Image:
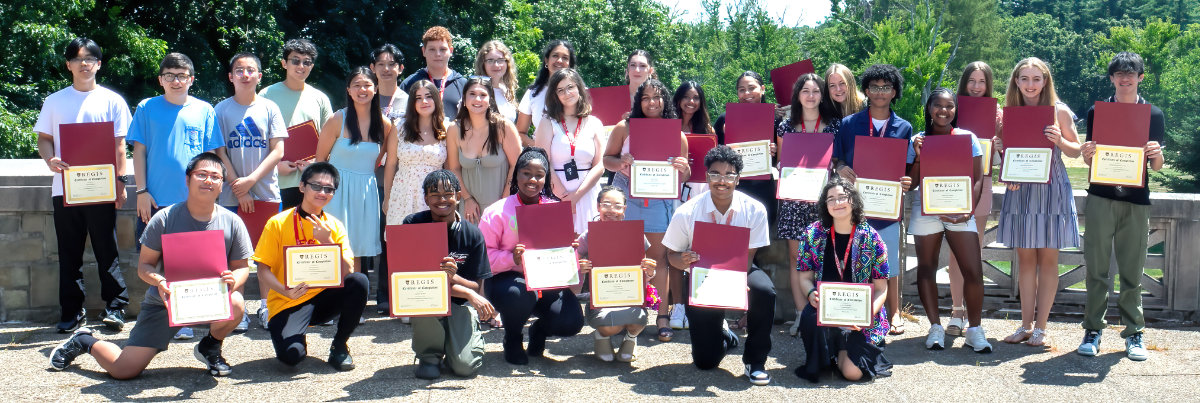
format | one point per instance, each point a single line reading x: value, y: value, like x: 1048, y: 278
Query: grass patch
x: 1006, y: 268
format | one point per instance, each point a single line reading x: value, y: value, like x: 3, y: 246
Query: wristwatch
x: 123, y: 178
x: 142, y: 190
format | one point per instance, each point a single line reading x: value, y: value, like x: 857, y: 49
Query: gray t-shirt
x: 248, y: 130
x: 176, y: 218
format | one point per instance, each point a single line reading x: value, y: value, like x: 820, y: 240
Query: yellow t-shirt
x: 281, y: 232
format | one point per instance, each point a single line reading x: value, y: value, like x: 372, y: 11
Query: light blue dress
x: 356, y: 202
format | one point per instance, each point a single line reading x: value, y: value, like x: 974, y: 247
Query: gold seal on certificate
x: 550, y: 268
x: 617, y: 286
x: 987, y: 146
x: 803, y: 184
x: 756, y: 157
x: 653, y: 179
x: 420, y: 293
x: 718, y: 288
x: 844, y: 304
x: 946, y: 195
x: 1030, y: 165
x: 198, y: 301
x: 1119, y: 166
x: 89, y: 184
x: 316, y: 265
x: 881, y: 199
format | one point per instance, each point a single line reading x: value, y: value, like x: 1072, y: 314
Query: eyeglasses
x: 170, y: 78
x: 1125, y: 74
x: 716, y: 177
x: 875, y: 89
x: 241, y: 71
x: 386, y: 65
x: 441, y: 196
x: 204, y: 176
x: 570, y: 88
x: 837, y: 199
x: 496, y: 62
x: 320, y: 188
x: 85, y: 60
x: 297, y: 62
x: 612, y: 206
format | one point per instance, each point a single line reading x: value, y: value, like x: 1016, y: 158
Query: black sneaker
x: 428, y: 370
x: 70, y: 324
x: 66, y: 352
x: 114, y: 319
x: 339, y: 358
x: 208, y: 351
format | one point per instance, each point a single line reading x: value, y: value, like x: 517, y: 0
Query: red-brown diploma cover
x: 880, y: 158
x: 610, y: 103
x: 720, y: 246
x: 616, y: 243
x: 654, y: 139
x: 544, y: 226
x: 699, y: 146
x: 1025, y: 126
x: 977, y: 114
x: 783, y: 78
x: 301, y: 142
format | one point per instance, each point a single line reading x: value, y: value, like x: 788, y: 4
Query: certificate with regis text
x: 194, y: 302
x: 616, y: 286
x: 89, y: 184
x: 844, y: 304
x: 420, y: 293
x: 317, y: 265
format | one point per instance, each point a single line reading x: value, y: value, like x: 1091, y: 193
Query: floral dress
x: 795, y: 215
x: 416, y: 161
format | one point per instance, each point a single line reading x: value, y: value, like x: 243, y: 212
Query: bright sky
x: 792, y: 12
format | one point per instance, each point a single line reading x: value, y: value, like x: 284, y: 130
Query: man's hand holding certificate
x: 88, y: 151
x: 546, y: 233
x: 198, y: 278
x: 719, y: 277
x: 417, y: 269
x: 1118, y: 144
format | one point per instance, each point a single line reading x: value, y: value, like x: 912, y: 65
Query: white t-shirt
x: 534, y: 106
x: 69, y: 105
x: 878, y: 123
x: 743, y: 212
x: 508, y: 109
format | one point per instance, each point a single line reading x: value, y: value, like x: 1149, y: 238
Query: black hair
x: 758, y: 78
x: 441, y: 177
x: 375, y: 131
x: 493, y: 117
x: 244, y: 55
x: 388, y: 48
x: 649, y: 61
x: 176, y: 60
x: 317, y: 168
x: 301, y: 46
x: 668, y: 110
x: 543, y: 75
x: 937, y: 92
x: 1126, y: 61
x: 722, y: 153
x: 856, y: 203
x: 72, y: 49
x: 604, y: 189
x: 885, y: 72
x: 829, y: 111
x: 204, y: 156
x: 700, y: 122
x: 530, y: 154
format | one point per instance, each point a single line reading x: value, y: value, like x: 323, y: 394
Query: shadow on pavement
x: 1070, y: 369
x: 150, y: 379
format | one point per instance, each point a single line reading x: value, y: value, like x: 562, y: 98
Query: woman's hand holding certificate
x: 843, y: 304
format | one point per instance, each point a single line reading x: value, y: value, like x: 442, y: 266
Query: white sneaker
x: 1135, y: 349
x: 678, y: 317
x: 1091, y: 343
x: 976, y: 340
x: 263, y: 316
x: 936, y: 339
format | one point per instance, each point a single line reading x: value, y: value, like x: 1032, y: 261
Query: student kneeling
x: 152, y: 333
x: 454, y: 340
x: 293, y: 309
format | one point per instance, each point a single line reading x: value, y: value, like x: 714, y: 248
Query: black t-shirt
x: 1158, y: 129
x: 829, y: 270
x: 466, y: 247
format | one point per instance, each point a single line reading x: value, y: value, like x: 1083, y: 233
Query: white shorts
x: 920, y: 224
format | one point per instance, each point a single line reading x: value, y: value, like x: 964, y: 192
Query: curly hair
x: 668, y: 110
x: 885, y: 72
x: 856, y: 203
x: 723, y: 153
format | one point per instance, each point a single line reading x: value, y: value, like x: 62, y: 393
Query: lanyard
x: 572, y: 136
x: 728, y: 219
x: 841, y: 263
x: 804, y: 128
x: 298, y: 230
x: 442, y: 89
x: 871, y: 127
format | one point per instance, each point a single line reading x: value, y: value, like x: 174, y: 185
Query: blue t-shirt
x: 173, y: 135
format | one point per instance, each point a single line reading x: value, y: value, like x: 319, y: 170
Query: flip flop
x: 897, y: 327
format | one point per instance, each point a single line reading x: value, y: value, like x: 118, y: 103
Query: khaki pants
x: 1110, y: 223
x: 455, y: 339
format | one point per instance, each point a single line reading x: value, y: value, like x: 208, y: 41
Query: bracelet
x: 142, y: 190
x: 809, y: 293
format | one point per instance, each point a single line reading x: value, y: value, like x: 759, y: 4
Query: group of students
x: 441, y: 147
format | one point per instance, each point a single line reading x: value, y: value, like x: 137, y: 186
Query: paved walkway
x: 382, y: 352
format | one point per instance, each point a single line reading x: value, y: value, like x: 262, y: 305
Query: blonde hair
x: 510, y: 76
x: 854, y: 96
x: 1048, y: 95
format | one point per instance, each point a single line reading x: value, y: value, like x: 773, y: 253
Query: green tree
x: 913, y: 41
x: 1070, y: 55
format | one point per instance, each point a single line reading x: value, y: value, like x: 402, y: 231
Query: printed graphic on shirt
x: 246, y: 135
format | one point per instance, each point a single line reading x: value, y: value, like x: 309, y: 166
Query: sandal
x: 1039, y: 338
x: 739, y: 324
x: 897, y: 327
x: 664, y: 331
x: 958, y: 321
x: 1018, y: 336
x: 628, y: 351
x: 603, y: 349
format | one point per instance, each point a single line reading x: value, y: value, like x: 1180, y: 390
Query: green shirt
x: 298, y: 107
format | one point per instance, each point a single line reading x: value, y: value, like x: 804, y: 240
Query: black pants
x: 558, y: 311
x: 72, y: 226
x: 289, y: 326
x: 710, y: 342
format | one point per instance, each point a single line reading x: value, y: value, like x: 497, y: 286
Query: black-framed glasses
x: 320, y: 188
x: 879, y: 89
x: 716, y: 177
x: 170, y: 78
x: 204, y: 176
x: 297, y: 62
x: 85, y: 60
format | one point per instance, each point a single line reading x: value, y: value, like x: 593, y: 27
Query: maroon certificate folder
x: 698, y: 147
x: 783, y: 78
x: 1118, y: 124
x: 416, y: 247
x: 256, y: 221
x: 881, y: 158
x: 654, y: 139
x: 806, y: 150
x: 978, y: 114
x: 720, y: 246
x: 610, y: 103
x: 87, y: 143
x: 616, y: 243
x: 947, y: 155
x: 194, y: 255
x: 545, y: 226
x: 301, y: 142
x: 749, y: 122
x: 1025, y: 126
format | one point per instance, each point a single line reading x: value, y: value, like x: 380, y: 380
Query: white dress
x: 585, y: 150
